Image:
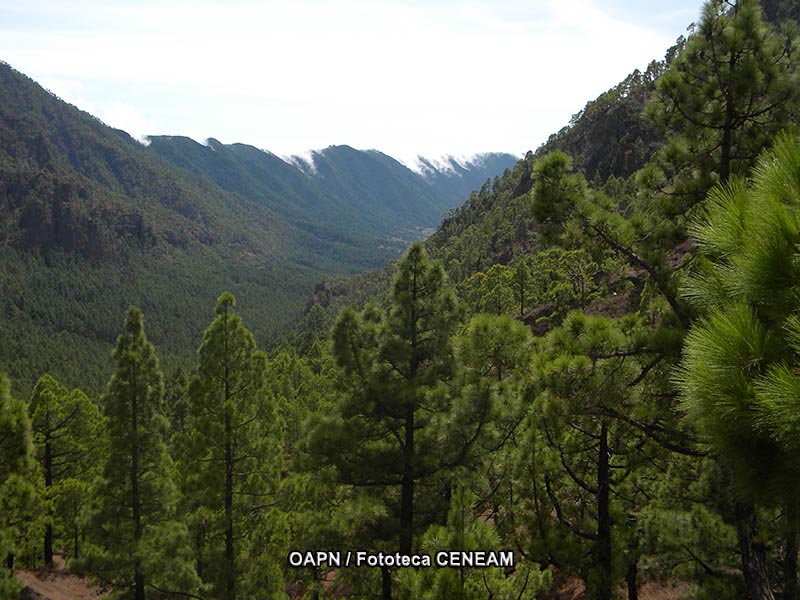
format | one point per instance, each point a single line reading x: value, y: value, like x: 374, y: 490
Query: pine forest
x: 584, y: 384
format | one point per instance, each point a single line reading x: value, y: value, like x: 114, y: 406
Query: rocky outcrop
x: 28, y: 593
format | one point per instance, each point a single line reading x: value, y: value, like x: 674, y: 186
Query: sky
x: 407, y: 78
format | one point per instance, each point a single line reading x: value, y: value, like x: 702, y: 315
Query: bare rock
x: 28, y: 593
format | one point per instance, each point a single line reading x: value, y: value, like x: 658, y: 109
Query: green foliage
x: 736, y: 374
x: 564, y: 278
x: 556, y: 192
x: 589, y: 433
x: 405, y: 428
x: 494, y: 345
x: 491, y: 291
x: 62, y: 310
x: 311, y: 503
x: 94, y: 221
x: 466, y: 530
x: 137, y: 542
x: 724, y: 98
x: 19, y: 484
x: 69, y: 442
x: 403, y: 423
x: 231, y: 460
x: 492, y: 220
x: 684, y: 531
x: 611, y: 137
x: 521, y: 283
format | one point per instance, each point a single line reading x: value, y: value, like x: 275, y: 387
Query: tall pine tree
x: 739, y: 371
x: 18, y: 483
x: 724, y: 98
x: 138, y: 544
x: 401, y: 427
x: 232, y: 459
x: 67, y: 435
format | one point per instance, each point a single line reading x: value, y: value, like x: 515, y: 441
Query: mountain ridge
x: 92, y: 221
x: 356, y: 190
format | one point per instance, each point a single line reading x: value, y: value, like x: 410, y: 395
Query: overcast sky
x: 416, y: 77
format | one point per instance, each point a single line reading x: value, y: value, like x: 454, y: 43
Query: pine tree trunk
x: 407, y: 489
x: 48, y: 482
x: 754, y: 557
x: 315, y: 577
x: 386, y: 583
x: 790, y: 556
x: 138, y: 577
x: 630, y: 579
x: 407, y: 485
x: 200, y: 566
x: 138, y: 583
x: 603, y: 550
x: 75, y: 541
x: 230, y: 572
x: 727, y: 130
x: 230, y: 575
x: 48, y: 545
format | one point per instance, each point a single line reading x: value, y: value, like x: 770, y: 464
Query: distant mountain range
x: 338, y: 188
x: 92, y: 221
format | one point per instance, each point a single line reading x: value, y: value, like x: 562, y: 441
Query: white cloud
x: 405, y: 77
x: 128, y: 118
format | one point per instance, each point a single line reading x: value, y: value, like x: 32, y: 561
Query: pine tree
x: 231, y: 458
x: 521, y: 283
x: 556, y: 192
x: 67, y: 429
x: 590, y: 433
x: 400, y: 427
x: 738, y: 375
x: 725, y: 96
x: 494, y: 346
x: 138, y: 545
x: 497, y: 293
x: 19, y: 476
x: 308, y: 498
x: 466, y: 530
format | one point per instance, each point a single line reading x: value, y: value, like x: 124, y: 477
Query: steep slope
x: 90, y: 222
x: 326, y: 226
x: 364, y: 197
x: 70, y: 182
x: 258, y: 175
x: 457, y: 178
x: 401, y: 201
x: 371, y: 180
x: 610, y: 137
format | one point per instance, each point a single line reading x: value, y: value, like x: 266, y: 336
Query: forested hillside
x: 584, y: 385
x: 338, y: 192
x: 91, y: 221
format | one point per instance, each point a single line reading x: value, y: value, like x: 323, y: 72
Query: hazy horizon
x: 406, y: 79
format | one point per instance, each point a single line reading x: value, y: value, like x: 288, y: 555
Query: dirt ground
x: 56, y: 584
x: 573, y: 589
